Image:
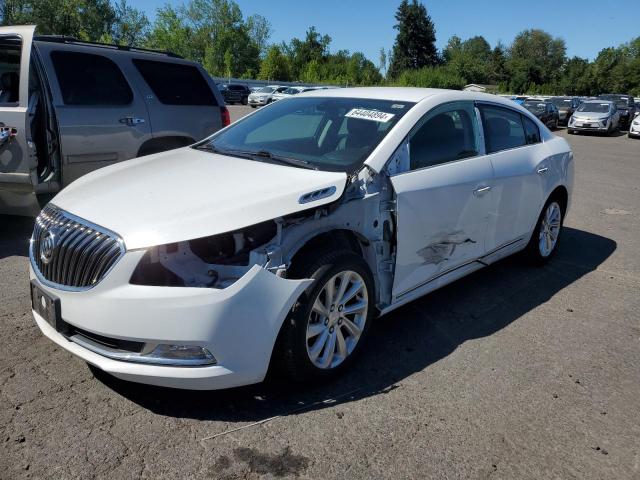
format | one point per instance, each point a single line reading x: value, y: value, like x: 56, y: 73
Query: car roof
x: 408, y: 94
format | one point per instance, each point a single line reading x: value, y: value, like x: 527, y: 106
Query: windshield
x: 534, y: 106
x: 334, y: 134
x: 618, y: 100
x: 561, y: 102
x: 266, y: 89
x: 594, y: 107
x: 291, y: 91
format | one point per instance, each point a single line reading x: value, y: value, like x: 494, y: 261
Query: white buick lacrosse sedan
x: 277, y: 241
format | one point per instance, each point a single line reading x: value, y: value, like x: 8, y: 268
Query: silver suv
x: 68, y: 107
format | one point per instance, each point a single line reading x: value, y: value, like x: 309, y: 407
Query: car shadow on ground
x: 14, y: 235
x: 402, y: 343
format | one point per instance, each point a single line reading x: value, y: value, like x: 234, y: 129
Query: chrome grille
x: 70, y: 253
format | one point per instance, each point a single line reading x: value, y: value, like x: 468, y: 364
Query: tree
x: 274, y: 65
x: 469, y: 59
x: 414, y: 47
x: 535, y: 58
x: 84, y: 19
x: 131, y: 26
x: 259, y: 30
x: 301, y: 53
x: 382, y: 59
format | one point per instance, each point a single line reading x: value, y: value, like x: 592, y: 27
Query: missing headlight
x: 216, y: 261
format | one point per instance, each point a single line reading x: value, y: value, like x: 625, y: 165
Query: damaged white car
x: 276, y: 241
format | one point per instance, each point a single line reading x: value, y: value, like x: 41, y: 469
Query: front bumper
x: 257, y: 101
x: 593, y: 125
x: 238, y: 325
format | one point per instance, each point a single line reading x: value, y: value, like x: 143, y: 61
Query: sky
x: 358, y: 25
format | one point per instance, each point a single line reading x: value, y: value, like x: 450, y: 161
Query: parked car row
x: 605, y: 113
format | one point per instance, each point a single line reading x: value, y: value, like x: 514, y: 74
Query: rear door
x: 18, y: 162
x: 181, y: 98
x: 520, y: 167
x: 102, y: 118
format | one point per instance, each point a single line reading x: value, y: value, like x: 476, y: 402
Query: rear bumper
x: 238, y: 325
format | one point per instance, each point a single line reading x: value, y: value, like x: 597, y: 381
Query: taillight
x: 226, y: 118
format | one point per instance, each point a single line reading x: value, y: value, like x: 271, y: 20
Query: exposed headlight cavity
x: 209, y: 262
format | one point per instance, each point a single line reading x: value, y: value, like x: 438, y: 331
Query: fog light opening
x: 187, y: 355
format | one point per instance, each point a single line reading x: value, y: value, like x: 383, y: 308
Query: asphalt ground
x: 511, y: 373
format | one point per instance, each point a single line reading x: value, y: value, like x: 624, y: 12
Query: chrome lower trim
x: 123, y: 356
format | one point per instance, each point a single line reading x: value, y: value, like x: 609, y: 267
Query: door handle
x: 481, y: 191
x: 543, y: 170
x: 131, y: 121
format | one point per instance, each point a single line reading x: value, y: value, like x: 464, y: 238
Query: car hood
x: 187, y: 193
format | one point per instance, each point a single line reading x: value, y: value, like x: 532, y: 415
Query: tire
x: 245, y: 100
x: 570, y: 132
x: 253, y: 106
x: 537, y: 250
x: 300, y: 356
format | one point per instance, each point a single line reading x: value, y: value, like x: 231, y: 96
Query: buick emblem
x: 47, y: 246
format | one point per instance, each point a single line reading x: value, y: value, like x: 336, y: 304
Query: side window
x: 531, y: 131
x: 10, y: 50
x: 176, y: 84
x: 87, y: 79
x: 502, y: 128
x: 448, y: 133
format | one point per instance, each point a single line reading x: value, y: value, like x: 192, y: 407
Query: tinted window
x: 531, y: 130
x: 448, y: 134
x: 87, y: 79
x: 176, y: 84
x: 502, y: 128
x: 10, y: 70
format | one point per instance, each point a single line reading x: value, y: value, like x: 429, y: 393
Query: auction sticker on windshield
x: 374, y: 115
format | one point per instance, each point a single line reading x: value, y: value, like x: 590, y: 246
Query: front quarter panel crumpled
x: 238, y: 324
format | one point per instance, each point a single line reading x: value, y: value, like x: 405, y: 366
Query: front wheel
x: 546, y: 235
x: 328, y: 325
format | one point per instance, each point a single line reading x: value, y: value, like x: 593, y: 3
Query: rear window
x: 176, y: 84
x: 503, y: 128
x: 87, y: 79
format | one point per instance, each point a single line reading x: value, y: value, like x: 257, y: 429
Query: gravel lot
x: 511, y: 373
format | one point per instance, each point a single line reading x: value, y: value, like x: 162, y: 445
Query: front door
x: 443, y: 197
x: 18, y: 161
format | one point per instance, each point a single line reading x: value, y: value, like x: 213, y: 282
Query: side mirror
x: 636, y: 114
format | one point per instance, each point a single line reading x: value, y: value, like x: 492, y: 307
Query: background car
x: 70, y: 107
x: 287, y: 93
x: 566, y: 106
x: 235, y: 93
x: 546, y: 111
x: 626, y: 107
x: 264, y: 96
x: 634, y: 128
x: 595, y: 116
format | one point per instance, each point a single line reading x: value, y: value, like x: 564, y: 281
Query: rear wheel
x: 546, y: 235
x: 328, y: 325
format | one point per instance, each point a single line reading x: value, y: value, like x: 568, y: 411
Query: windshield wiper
x: 296, y: 162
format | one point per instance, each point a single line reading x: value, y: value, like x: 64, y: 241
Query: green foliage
x: 414, y: 47
x: 84, y: 19
x: 432, y: 77
x: 275, y: 65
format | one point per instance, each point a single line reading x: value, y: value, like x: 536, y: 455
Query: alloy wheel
x: 337, y: 319
x: 550, y: 229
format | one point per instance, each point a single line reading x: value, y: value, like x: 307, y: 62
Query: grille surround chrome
x: 79, y: 260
